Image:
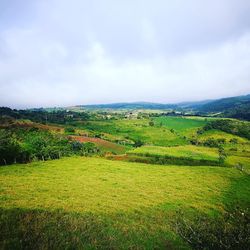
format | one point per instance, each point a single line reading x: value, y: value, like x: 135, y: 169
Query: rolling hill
x: 234, y: 107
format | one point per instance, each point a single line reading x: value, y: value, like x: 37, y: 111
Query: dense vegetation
x: 230, y: 126
x: 42, y: 116
x: 26, y: 144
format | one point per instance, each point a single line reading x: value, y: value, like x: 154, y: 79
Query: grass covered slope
x: 98, y: 185
x: 134, y: 130
x: 188, y: 154
x: 82, y: 202
x: 180, y: 123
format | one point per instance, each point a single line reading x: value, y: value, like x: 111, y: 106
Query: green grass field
x: 216, y: 134
x: 179, y: 155
x: 134, y: 130
x: 96, y: 203
x: 180, y: 124
x: 189, y: 151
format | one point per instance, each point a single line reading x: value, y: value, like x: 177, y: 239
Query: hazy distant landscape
x: 125, y: 124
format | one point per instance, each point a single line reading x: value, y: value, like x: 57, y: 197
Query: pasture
x: 165, y: 131
x: 179, y: 155
x: 96, y: 203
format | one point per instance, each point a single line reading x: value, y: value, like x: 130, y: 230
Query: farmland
x: 104, y: 145
x: 123, y: 182
x: 135, y: 130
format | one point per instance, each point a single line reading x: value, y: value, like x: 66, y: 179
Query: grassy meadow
x: 99, y: 203
x: 187, y: 153
x: 133, y: 130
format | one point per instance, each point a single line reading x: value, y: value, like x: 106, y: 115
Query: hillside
x: 93, y: 203
x: 234, y: 107
x: 224, y: 104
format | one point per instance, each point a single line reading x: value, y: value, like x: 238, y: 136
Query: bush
x: 69, y: 130
x: 151, y: 123
x: 214, y: 143
x: 138, y: 143
x: 234, y: 141
x: 89, y: 148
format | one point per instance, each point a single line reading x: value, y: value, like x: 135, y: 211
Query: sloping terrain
x: 94, y: 203
x: 105, y: 145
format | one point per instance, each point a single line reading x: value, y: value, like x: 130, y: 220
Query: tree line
x: 22, y: 145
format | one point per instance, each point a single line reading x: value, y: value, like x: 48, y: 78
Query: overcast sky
x: 61, y: 53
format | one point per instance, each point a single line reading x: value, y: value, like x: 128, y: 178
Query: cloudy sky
x: 60, y: 52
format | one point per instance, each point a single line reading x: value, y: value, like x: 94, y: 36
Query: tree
x: 151, y: 123
x: 222, y: 155
x: 89, y: 148
x: 138, y: 143
x: 9, y: 148
x: 76, y: 146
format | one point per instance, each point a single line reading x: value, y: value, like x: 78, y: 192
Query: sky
x: 61, y: 53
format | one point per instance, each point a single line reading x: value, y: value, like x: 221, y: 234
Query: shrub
x: 138, y: 143
x: 234, y: 141
x: 151, y: 123
x: 222, y: 155
x: 69, y: 130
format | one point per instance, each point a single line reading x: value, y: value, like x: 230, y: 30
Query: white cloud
x: 65, y: 61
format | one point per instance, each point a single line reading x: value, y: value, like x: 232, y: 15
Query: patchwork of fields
x: 133, y: 130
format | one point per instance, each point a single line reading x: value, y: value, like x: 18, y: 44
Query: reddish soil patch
x: 100, y: 142
x: 117, y: 157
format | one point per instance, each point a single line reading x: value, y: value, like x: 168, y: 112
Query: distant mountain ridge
x: 130, y: 105
x: 217, y: 105
x: 235, y: 107
x: 225, y: 103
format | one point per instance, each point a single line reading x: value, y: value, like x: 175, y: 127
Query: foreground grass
x: 98, y: 185
x: 95, y: 203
